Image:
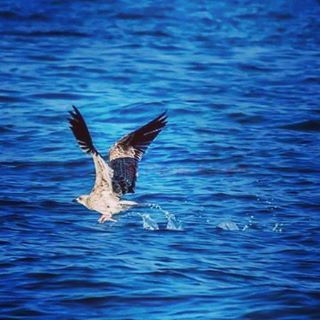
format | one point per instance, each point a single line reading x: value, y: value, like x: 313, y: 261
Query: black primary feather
x: 141, y: 138
x: 81, y: 132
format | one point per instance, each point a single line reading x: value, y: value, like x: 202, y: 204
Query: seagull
x: 118, y: 175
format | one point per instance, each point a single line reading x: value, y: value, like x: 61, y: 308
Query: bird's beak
x: 74, y: 200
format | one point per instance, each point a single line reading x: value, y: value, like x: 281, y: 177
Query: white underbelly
x: 105, y: 203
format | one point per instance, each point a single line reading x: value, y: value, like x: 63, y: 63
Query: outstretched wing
x: 126, y: 153
x: 82, y: 134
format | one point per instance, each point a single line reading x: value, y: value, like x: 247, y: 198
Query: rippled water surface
x: 230, y: 223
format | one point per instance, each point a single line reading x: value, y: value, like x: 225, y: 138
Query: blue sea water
x: 230, y: 227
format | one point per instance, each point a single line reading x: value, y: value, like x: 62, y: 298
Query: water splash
x: 149, y: 223
x: 173, y: 223
x: 277, y: 227
x: 251, y: 223
x: 228, y: 225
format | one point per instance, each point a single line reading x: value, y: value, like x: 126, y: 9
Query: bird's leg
x: 106, y: 217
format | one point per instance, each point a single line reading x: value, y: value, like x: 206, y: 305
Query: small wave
x: 43, y: 57
x: 42, y: 275
x: 136, y: 108
x: 53, y: 33
x: 16, y: 203
x: 129, y: 16
x: 311, y: 80
x: 26, y: 312
x: 12, y: 15
x: 153, y: 33
x: 309, y: 125
x: 7, y: 128
x: 226, y: 196
x: 8, y: 99
x: 254, y: 67
x: 245, y: 119
x: 57, y: 95
x: 49, y: 204
x: 38, y: 164
x: 8, y: 15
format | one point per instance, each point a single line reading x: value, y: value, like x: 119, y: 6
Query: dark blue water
x: 231, y: 226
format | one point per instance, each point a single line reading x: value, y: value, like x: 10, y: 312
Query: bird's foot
x: 106, y: 217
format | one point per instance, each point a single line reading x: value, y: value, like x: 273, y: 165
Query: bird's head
x: 82, y: 200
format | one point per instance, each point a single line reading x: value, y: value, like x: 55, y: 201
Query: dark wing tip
x: 162, y: 118
x: 80, y: 131
x: 156, y: 125
x: 141, y: 138
x: 76, y: 110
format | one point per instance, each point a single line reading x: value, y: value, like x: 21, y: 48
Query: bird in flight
x: 118, y: 175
